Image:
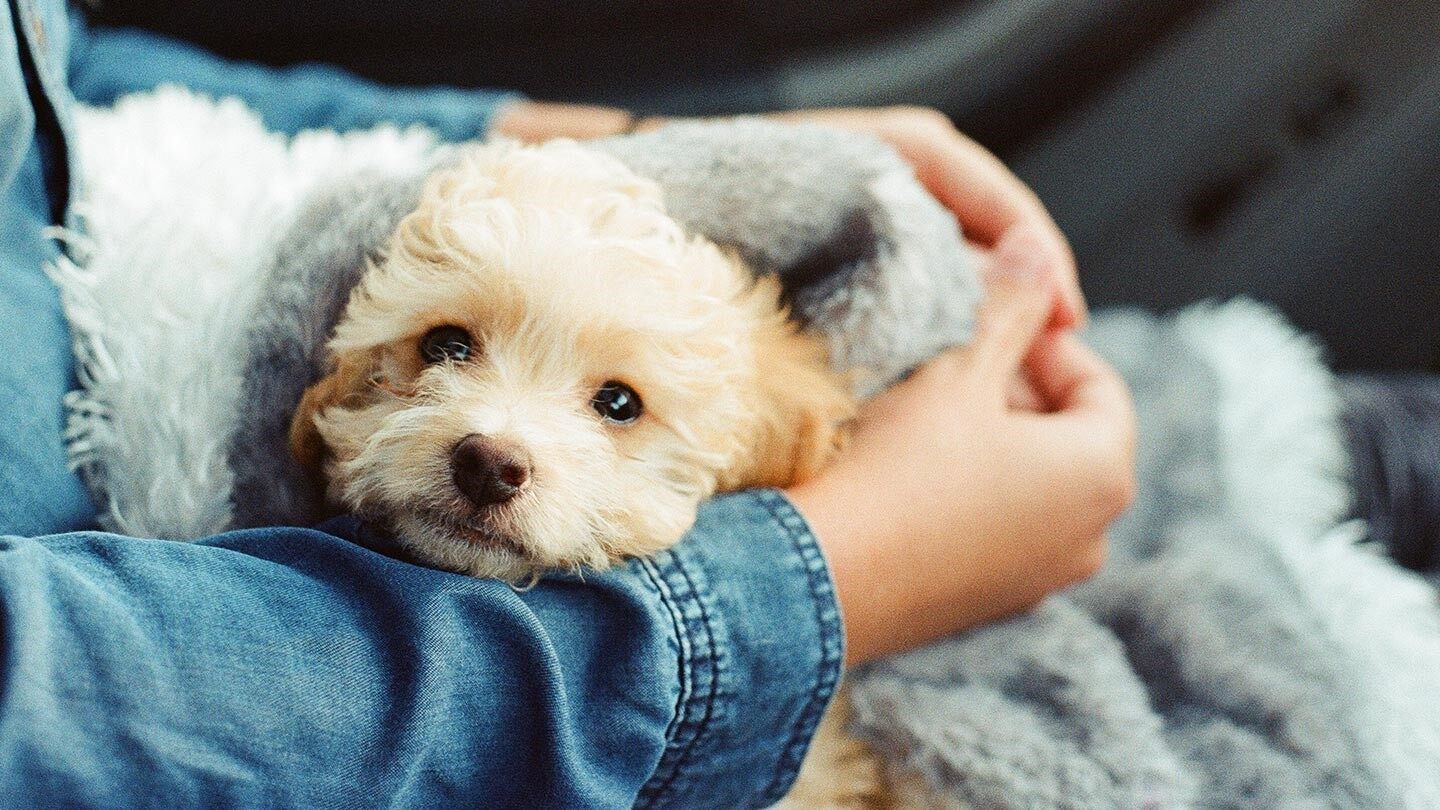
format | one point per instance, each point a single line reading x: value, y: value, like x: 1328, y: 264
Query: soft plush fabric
x: 1243, y: 647
x: 1390, y: 422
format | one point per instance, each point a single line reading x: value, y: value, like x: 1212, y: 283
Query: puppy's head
x: 544, y: 372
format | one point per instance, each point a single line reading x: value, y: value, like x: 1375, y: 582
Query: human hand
x: 954, y: 504
x: 987, y: 199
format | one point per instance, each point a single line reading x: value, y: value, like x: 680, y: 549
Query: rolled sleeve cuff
x: 107, y: 63
x: 455, y: 114
x: 761, y: 648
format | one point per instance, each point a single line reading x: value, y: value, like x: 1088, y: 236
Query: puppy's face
x: 545, y: 372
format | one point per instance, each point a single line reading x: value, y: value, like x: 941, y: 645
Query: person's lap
x: 38, y: 492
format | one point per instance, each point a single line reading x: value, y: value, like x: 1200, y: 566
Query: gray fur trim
x: 867, y: 255
x: 1190, y: 672
x: 318, y: 262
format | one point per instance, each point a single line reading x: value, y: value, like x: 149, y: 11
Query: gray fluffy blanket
x: 1242, y: 648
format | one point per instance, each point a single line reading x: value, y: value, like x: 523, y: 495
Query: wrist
x: 848, y: 536
x: 535, y: 121
x: 898, y: 583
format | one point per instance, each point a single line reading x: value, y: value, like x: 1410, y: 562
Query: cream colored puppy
x: 544, y: 371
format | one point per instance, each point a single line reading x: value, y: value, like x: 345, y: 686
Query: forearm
x: 107, y: 63
x: 288, y: 667
x: 898, y: 594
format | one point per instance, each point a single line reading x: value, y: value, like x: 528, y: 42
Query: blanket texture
x: 1242, y: 648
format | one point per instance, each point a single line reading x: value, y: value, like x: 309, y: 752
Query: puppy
x: 544, y: 371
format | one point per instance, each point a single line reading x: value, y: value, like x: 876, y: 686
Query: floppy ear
x: 348, y: 383
x: 799, y: 405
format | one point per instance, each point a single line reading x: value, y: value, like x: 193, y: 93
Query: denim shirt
x: 314, y: 667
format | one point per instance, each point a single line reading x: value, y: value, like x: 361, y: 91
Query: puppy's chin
x: 469, y: 548
x: 494, y: 546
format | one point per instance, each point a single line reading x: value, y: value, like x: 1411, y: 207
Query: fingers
x: 1071, y: 377
x: 536, y: 121
x: 1020, y: 396
x: 1071, y: 311
x: 1091, y: 419
x: 1018, y: 302
x: 986, y: 198
x: 991, y: 202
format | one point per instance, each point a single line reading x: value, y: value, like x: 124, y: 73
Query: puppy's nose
x: 488, y: 470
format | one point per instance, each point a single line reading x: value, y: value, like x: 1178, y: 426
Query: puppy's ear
x: 349, y: 383
x: 799, y: 405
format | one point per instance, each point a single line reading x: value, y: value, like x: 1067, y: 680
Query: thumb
x: 1019, y: 299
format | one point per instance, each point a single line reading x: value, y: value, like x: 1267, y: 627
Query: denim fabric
x: 38, y: 493
x: 314, y: 668
x: 109, y: 62
x: 291, y: 667
x: 748, y: 626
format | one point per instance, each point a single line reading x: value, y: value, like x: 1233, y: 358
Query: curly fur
x: 564, y: 268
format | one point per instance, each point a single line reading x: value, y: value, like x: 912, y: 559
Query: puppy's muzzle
x: 488, y: 470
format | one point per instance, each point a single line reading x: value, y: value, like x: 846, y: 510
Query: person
x: 306, y: 667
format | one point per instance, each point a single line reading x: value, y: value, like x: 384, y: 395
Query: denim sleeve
x: 106, y: 63
x: 293, y: 667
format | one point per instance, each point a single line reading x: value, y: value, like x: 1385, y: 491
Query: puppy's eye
x: 617, y: 402
x: 445, y: 343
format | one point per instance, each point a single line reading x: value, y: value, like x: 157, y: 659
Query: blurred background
x: 1190, y: 148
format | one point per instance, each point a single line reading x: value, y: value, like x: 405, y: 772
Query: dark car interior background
x: 1190, y: 148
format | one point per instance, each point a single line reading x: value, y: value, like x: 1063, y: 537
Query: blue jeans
x: 40, y: 494
x: 299, y: 668
x: 313, y: 667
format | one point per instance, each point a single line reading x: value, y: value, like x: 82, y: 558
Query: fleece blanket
x: 1243, y: 647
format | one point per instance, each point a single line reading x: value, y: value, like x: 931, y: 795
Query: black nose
x: 489, y: 471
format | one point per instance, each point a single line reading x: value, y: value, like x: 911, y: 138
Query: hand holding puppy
x: 987, y: 199
x: 953, y: 505
x: 987, y: 480
x: 989, y: 477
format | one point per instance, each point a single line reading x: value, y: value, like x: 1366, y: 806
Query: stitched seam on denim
x: 698, y: 726
x: 671, y: 601
x: 827, y: 617
x: 688, y: 728
x: 684, y: 665
x: 49, y: 124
